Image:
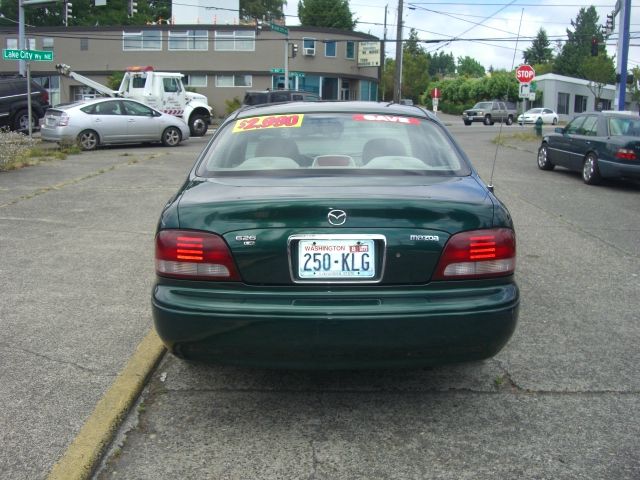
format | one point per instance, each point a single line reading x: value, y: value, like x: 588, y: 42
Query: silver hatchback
x: 107, y: 121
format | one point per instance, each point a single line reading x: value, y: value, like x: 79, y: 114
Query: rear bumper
x: 357, y: 328
x: 618, y: 170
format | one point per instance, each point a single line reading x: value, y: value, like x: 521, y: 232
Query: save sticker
x: 386, y: 118
x: 268, y: 121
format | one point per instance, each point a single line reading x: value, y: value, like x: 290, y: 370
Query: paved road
x: 76, y: 262
x: 561, y: 401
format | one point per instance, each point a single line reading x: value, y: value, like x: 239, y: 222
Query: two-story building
x: 219, y: 61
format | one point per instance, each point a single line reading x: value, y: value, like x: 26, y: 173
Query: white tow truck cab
x: 163, y: 91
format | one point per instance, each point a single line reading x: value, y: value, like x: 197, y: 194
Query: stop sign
x: 525, y: 73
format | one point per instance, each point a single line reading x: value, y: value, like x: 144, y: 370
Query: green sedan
x: 599, y: 144
x: 334, y: 235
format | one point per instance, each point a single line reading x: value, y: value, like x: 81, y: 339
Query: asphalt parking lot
x: 561, y: 401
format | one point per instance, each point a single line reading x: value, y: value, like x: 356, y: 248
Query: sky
x: 500, y: 21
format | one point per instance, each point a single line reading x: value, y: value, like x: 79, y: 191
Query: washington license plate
x: 339, y: 258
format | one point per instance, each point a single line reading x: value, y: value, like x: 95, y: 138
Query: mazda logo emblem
x: 337, y: 217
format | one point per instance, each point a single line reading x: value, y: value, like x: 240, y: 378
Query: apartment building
x: 219, y: 61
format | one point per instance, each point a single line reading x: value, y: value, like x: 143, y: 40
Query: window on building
x: 234, y: 80
x: 236, y: 41
x: 308, y: 46
x: 47, y: 43
x: 51, y: 85
x: 79, y: 93
x: 84, y: 44
x: 330, y: 49
x: 563, y: 103
x: 196, y: 80
x: 144, y: 40
x: 12, y: 43
x: 351, y: 50
x: 580, y: 104
x: 189, y: 40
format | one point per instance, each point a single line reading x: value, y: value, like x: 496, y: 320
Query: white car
x: 111, y: 121
x: 532, y: 115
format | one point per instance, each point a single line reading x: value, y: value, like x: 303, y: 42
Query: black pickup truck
x: 14, y: 112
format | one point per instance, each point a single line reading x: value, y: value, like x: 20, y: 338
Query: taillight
x: 478, y: 254
x: 194, y: 255
x: 626, y: 154
x: 63, y: 120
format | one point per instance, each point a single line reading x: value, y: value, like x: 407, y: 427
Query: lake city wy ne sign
x: 29, y: 55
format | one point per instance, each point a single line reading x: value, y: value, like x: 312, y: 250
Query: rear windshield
x: 343, y: 144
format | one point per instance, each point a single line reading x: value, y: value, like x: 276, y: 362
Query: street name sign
x: 28, y: 55
x: 279, y: 28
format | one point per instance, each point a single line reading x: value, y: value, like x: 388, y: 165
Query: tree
x: 85, y: 13
x: 268, y: 9
x: 539, y: 52
x: 578, y: 45
x: 469, y: 67
x: 600, y: 71
x: 326, y: 13
x: 441, y: 65
x: 415, y: 68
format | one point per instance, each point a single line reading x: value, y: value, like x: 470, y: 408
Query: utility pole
x: 382, y: 55
x: 624, y: 6
x: 397, y: 90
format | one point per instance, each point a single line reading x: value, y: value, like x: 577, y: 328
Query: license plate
x: 339, y: 258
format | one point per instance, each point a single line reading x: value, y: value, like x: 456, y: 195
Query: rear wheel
x: 171, y: 137
x: 509, y: 120
x: 197, y: 125
x: 555, y: 121
x: 543, y: 158
x: 590, y: 170
x: 88, y: 140
x: 21, y: 120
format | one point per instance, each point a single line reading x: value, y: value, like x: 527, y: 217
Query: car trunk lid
x: 268, y: 226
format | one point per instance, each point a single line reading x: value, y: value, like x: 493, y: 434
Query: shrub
x: 15, y: 149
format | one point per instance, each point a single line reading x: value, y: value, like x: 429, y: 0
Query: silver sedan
x: 107, y: 121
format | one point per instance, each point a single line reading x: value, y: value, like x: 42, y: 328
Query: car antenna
x: 491, y: 187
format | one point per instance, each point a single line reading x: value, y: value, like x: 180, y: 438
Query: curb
x: 86, y: 450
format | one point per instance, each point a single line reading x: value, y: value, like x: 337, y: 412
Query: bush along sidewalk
x: 18, y: 150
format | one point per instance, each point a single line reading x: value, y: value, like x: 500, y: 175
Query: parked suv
x: 490, y: 112
x: 258, y: 97
x: 14, y: 111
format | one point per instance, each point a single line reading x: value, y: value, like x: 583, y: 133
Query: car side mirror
x: 559, y: 130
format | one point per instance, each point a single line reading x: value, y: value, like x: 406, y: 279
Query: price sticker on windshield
x: 268, y: 121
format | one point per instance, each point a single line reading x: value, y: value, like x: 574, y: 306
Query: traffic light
x: 68, y: 12
x: 594, y: 46
x: 610, y: 25
x: 294, y: 50
x: 133, y: 7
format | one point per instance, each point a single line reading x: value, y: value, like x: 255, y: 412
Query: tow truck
x: 163, y: 91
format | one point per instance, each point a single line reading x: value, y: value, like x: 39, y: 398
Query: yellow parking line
x: 80, y: 459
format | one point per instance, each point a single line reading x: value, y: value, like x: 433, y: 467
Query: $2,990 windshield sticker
x: 268, y: 121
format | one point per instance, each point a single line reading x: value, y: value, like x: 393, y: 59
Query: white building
x: 569, y: 96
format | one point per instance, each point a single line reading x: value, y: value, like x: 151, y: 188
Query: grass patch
x: 505, y: 139
x: 18, y: 151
